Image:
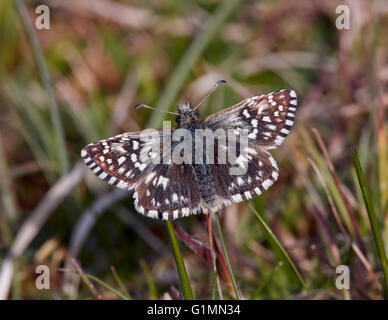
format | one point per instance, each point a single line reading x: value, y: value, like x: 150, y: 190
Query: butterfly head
x: 186, y: 114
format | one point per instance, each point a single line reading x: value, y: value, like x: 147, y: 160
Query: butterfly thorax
x: 186, y: 115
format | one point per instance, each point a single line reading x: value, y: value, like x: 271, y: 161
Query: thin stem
x: 120, y: 283
x: 270, y: 235
x: 85, y: 278
x: 39, y: 57
x: 184, y: 280
x: 211, y: 244
x: 236, y: 292
x: 373, y: 221
x: 216, y: 281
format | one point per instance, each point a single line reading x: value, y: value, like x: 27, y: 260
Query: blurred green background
x: 77, y: 82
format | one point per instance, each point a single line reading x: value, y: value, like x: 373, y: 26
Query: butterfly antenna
x: 218, y: 83
x: 141, y: 105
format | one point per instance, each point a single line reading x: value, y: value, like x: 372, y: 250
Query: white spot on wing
x: 103, y: 175
x: 150, y: 176
x: 266, y: 119
x: 237, y: 198
x: 248, y: 195
x: 163, y: 181
x: 121, y: 160
x: 185, y: 212
x: 152, y: 214
x: 246, y: 113
x: 267, y: 183
x: 140, y: 166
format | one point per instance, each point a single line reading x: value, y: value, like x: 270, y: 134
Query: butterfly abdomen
x: 202, y: 171
x: 205, y: 182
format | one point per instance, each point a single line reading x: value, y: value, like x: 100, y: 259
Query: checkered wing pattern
x: 161, y: 191
x: 117, y: 160
x: 168, y: 192
x: 268, y: 118
x: 259, y: 171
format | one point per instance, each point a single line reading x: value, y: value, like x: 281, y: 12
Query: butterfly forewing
x: 268, y: 118
x: 162, y: 191
x: 117, y: 160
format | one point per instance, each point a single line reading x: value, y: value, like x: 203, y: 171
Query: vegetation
x: 77, y: 82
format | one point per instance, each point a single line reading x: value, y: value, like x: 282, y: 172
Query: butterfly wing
x: 168, y: 192
x: 268, y: 118
x: 257, y: 172
x: 117, y: 160
x: 162, y: 191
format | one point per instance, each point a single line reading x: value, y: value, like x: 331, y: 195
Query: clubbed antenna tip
x: 219, y: 82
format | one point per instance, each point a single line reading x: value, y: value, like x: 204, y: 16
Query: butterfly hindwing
x: 168, y: 192
x: 258, y: 172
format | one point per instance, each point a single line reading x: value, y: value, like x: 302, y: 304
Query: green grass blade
x: 85, y: 278
x: 120, y: 283
x: 184, y: 280
x: 153, y: 292
x: 7, y: 195
x: 270, y: 235
x: 373, y: 220
x: 107, y: 286
x: 236, y: 292
x: 39, y: 57
x: 320, y: 162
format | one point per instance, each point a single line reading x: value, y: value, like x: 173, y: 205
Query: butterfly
x: 169, y: 190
